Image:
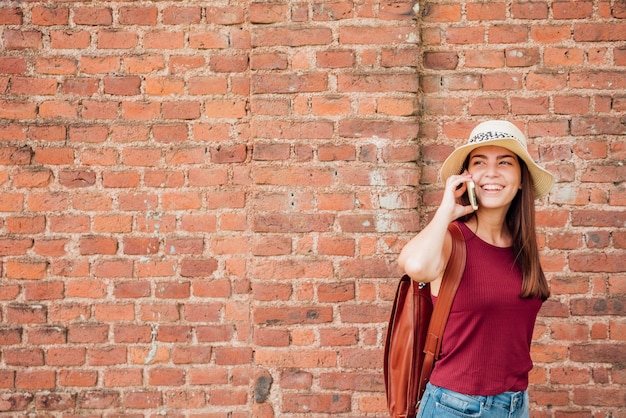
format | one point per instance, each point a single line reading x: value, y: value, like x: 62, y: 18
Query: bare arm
x: 425, y: 256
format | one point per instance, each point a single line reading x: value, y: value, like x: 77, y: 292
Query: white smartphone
x: 471, y: 193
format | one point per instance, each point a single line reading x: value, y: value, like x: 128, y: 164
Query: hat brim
x: 543, y: 180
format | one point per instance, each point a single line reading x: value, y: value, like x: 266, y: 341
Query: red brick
x: 80, y: 86
x: 144, y: 64
x: 106, y: 356
x: 26, y: 269
x: 12, y: 65
x: 123, y: 377
x: 207, y: 40
x: 287, y: 83
x: 563, y: 56
x: 397, y: 57
x: 62, y: 356
x: 35, y: 379
x: 466, y: 35
x: 90, y: 134
x: 136, y: 111
x: 55, y: 401
x: 143, y: 399
x: 229, y: 63
x: 530, y: 10
x: 99, y: 65
x: 291, y: 316
x: 54, y: 109
x: 164, y: 40
x: 550, y: 34
x: 181, y: 64
x: 17, y: 110
x: 44, y: 291
x: 113, y: 269
x: 572, y: 9
x: 268, y: 12
x: 317, y: 403
x: 558, y: 128
x: 18, y: 39
x: 31, y: 86
x: 596, y: 32
x: 146, y: 16
x: 56, y: 66
x: 597, y: 80
x: 145, y: 157
x: 335, y: 59
x: 47, y: 335
x: 77, y: 378
x: 116, y: 39
x: 24, y: 357
x: 291, y: 36
x: 531, y: 106
x: 596, y: 125
x: 25, y: 224
x: 225, y: 15
x: 522, y: 57
x: 96, y: 16
x: 442, y: 13
x: 182, y: 15
x: 495, y: 106
x: 441, y: 60
x: 164, y: 86
x: 124, y: 86
x: 432, y: 36
x: 486, y: 11
x: 69, y: 40
x: 32, y: 179
x: 484, y: 59
x: 166, y: 377
x: 98, y: 399
x: 334, y: 11
x: 11, y: 16
x: 233, y: 109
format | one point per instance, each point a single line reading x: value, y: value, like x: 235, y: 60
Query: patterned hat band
x: 491, y: 135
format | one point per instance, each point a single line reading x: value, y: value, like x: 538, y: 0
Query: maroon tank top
x: 486, y: 344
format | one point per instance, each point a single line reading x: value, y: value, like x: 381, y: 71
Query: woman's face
x: 497, y: 174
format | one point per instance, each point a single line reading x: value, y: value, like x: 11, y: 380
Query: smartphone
x: 471, y: 193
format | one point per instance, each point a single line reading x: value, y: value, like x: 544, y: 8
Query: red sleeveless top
x: 486, y: 344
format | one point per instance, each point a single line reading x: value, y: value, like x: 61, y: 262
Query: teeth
x: 492, y: 187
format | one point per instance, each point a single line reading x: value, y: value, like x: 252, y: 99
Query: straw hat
x: 502, y: 134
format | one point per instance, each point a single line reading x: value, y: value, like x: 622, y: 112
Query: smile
x: 492, y: 187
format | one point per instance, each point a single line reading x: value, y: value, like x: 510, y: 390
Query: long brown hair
x: 520, y: 220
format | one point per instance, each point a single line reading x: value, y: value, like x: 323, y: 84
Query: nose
x: 492, y: 169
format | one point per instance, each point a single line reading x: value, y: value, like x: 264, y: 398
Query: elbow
x: 417, y: 271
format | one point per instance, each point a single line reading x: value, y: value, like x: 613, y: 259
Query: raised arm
x: 425, y: 256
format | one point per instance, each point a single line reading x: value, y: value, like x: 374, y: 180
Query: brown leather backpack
x: 415, y: 332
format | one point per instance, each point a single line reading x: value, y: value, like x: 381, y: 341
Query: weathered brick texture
x: 202, y: 202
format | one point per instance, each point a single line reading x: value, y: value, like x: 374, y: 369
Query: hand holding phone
x: 471, y: 193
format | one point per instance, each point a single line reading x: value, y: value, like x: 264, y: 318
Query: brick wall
x: 202, y: 202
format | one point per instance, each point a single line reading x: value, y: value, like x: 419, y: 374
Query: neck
x: 490, y: 226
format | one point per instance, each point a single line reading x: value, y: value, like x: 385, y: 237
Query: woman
x: 483, y: 367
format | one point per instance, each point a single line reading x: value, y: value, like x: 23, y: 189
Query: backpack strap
x: 449, y: 285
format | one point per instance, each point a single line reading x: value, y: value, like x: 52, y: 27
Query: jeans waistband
x: 510, y: 400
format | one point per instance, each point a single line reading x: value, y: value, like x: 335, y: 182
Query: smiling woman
x: 485, y: 357
x: 497, y: 173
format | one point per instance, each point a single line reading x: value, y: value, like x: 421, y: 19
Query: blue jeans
x: 443, y: 403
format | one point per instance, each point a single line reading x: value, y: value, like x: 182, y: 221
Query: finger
x: 457, y: 181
